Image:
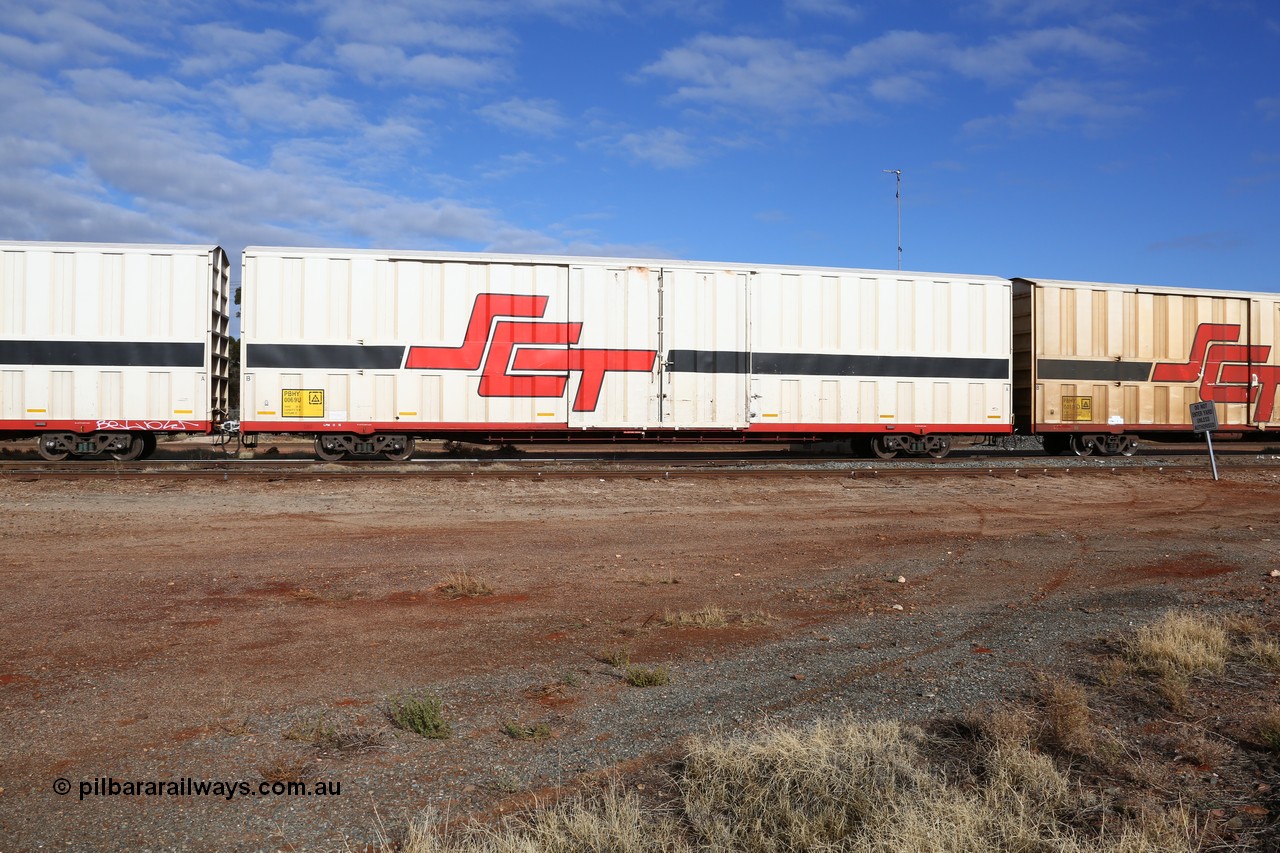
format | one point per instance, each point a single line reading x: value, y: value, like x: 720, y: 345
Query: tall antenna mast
x: 897, y: 195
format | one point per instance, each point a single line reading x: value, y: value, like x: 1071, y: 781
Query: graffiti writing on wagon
x: 1228, y: 371
x: 542, y: 348
x: 157, y: 426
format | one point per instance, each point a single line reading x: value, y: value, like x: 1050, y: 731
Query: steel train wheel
x: 881, y: 449
x: 1081, y: 446
x: 410, y: 444
x: 325, y: 454
x: 135, y: 449
x: 45, y: 447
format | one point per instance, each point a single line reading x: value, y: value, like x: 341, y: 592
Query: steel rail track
x: 461, y: 469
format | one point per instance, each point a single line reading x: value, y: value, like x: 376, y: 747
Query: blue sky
x: 1108, y: 141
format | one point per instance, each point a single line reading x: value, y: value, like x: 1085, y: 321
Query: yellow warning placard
x: 1077, y: 408
x: 302, y: 403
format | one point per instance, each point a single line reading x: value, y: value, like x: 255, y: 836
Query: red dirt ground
x: 163, y: 629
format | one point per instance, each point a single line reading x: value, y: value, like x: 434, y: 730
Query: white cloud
x: 378, y: 62
x: 729, y: 74
x: 740, y: 71
x: 509, y: 165
x: 836, y: 9
x: 70, y: 25
x: 1029, y: 11
x: 1017, y: 57
x: 217, y: 47
x: 293, y: 97
x: 112, y: 84
x: 20, y: 51
x: 663, y: 147
x: 133, y: 170
x: 901, y: 88
x: 534, y: 116
x: 413, y: 24
x: 1060, y: 104
x: 895, y: 50
x: 1269, y: 107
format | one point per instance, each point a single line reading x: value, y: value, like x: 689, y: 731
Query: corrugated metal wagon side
x: 104, y: 347
x: 368, y: 351
x: 1100, y: 365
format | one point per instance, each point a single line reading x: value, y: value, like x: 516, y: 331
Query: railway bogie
x: 889, y: 445
x: 331, y: 447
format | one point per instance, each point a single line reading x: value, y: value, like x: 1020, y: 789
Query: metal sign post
x: 1204, y: 418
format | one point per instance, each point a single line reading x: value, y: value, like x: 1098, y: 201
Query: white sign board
x: 1204, y: 416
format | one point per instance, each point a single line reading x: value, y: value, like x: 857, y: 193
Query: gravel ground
x: 159, y: 630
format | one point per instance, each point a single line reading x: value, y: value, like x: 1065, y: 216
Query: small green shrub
x: 614, y: 656
x: 420, y: 713
x: 519, y: 731
x: 645, y: 676
x: 317, y: 731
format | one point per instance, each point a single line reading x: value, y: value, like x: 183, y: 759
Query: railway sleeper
x: 888, y: 446
x: 121, y: 446
x: 331, y: 447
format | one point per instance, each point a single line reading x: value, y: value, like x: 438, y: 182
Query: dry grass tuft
x: 463, y: 585
x: 839, y: 785
x: 1113, y: 672
x: 317, y: 730
x: 712, y: 617
x: 1180, y: 644
x: 707, y: 617
x: 328, y: 735
x: 612, y: 821
x: 614, y: 656
x: 285, y: 770
x: 1067, y: 720
x: 1269, y: 730
x: 1263, y: 653
x: 1192, y: 744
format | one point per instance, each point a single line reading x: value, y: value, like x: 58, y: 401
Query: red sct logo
x: 542, y: 348
x: 1228, y: 372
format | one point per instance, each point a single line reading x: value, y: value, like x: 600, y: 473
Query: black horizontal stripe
x: 1093, y: 371
x: 102, y: 353
x: 819, y: 364
x: 708, y: 361
x: 323, y: 356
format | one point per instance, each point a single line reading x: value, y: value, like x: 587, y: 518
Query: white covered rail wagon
x: 370, y: 350
x: 1098, y: 365
x: 103, y: 347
